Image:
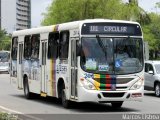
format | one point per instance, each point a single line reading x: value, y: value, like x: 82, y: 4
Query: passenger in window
x: 64, y: 38
x: 33, y: 55
x: 15, y: 45
x: 27, y: 47
x: 64, y: 46
x: 33, y: 41
x: 86, y: 52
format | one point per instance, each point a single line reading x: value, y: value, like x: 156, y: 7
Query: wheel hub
x: 157, y: 90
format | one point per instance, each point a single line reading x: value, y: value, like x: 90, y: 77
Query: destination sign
x: 111, y: 29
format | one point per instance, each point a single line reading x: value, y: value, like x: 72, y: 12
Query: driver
x: 121, y: 53
x: 120, y: 56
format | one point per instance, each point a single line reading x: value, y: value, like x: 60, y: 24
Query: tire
x: 117, y: 104
x: 27, y: 93
x: 157, y: 89
x: 65, y: 102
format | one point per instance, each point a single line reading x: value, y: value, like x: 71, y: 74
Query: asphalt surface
x: 13, y: 101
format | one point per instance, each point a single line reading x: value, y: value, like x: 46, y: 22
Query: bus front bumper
x: 85, y: 95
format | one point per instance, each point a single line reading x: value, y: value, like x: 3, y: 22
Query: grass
x: 6, y: 116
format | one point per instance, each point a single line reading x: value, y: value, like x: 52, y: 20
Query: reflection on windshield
x: 112, y: 55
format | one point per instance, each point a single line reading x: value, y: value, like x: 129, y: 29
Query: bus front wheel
x: 117, y: 104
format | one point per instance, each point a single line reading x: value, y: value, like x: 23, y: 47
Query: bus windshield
x: 112, y: 55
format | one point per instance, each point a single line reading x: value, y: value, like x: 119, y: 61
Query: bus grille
x: 110, y: 82
x: 124, y: 80
x: 113, y: 94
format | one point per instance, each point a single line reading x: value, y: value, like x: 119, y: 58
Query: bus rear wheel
x: 27, y: 92
x: 117, y: 104
x: 65, y: 102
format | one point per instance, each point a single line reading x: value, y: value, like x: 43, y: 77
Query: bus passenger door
x: 43, y: 67
x: 73, y: 69
x: 19, y: 65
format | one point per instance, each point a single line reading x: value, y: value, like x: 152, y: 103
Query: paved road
x: 13, y: 100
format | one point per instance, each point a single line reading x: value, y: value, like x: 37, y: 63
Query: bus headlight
x: 87, y: 84
x: 137, y: 85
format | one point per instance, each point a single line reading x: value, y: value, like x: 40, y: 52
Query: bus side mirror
x: 78, y: 49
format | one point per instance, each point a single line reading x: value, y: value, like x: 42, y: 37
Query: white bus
x: 83, y: 61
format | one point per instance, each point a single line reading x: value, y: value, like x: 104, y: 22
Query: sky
x: 40, y: 6
x: 37, y: 8
x: 149, y: 5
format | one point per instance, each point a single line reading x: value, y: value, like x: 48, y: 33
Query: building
x: 15, y: 15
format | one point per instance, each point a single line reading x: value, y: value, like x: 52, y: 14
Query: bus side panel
x: 13, y: 73
x: 51, y: 77
x: 56, y: 70
x: 35, y: 76
x: 32, y: 70
x: 62, y: 73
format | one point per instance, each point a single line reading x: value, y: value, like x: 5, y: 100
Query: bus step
x: 74, y: 98
x: 43, y: 94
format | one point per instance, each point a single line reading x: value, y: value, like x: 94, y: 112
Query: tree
x: 152, y: 34
x: 70, y: 10
x: 5, y: 40
x: 135, y: 13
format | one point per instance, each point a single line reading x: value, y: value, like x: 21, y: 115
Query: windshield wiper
x: 101, y: 45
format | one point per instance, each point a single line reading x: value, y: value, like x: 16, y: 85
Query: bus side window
x: 27, y: 47
x: 14, y: 48
x: 35, y: 42
x: 53, y: 45
x: 64, y: 45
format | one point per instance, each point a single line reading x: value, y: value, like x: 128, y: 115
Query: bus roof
x: 65, y: 26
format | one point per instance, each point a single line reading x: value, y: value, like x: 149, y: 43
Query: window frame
x: 27, y: 51
x: 16, y: 50
x: 53, y: 45
x: 64, y: 45
x: 36, y: 47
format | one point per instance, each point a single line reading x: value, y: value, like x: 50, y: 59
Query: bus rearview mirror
x: 78, y: 49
